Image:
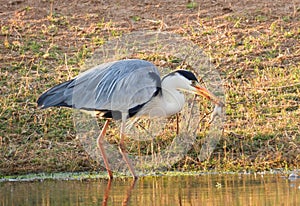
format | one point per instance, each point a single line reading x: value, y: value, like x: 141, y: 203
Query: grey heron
x: 123, y: 89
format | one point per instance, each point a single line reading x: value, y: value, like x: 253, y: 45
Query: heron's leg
x: 177, y: 123
x: 103, y: 153
x: 123, y: 150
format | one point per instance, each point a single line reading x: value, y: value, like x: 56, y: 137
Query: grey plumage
x: 121, y: 86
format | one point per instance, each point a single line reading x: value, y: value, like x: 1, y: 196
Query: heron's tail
x: 58, y: 96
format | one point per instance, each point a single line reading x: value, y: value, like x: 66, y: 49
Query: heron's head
x: 187, y: 81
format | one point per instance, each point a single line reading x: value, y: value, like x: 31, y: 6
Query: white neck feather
x: 172, y: 99
x: 170, y: 102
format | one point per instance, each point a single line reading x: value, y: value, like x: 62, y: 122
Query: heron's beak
x: 208, y: 95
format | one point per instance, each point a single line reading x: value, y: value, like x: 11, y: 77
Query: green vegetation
x: 191, y: 5
x: 256, y: 52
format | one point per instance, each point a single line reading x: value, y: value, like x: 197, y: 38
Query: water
x: 160, y: 191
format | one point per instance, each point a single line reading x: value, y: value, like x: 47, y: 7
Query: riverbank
x: 254, y: 45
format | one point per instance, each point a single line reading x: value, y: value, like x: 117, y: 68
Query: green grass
x: 256, y: 53
x: 192, y: 5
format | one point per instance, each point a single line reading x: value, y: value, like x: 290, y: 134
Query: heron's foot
x: 110, y: 174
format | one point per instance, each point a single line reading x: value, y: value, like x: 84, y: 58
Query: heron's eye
x: 193, y: 83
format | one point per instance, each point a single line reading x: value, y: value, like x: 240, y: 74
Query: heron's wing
x: 116, y: 86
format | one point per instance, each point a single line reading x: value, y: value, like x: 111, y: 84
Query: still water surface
x: 160, y: 191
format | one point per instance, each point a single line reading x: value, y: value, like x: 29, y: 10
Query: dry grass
x: 255, y: 47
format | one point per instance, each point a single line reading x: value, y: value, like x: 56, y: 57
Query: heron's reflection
x: 106, y: 193
x: 126, y: 198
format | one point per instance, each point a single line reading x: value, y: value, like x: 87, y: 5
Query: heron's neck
x: 172, y: 99
x: 169, y: 102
